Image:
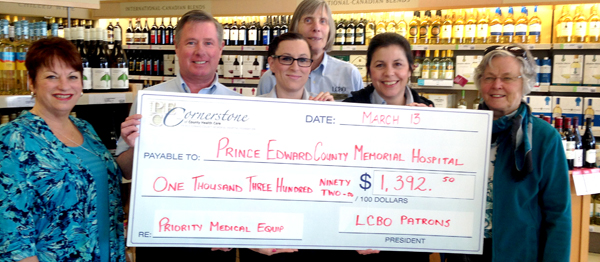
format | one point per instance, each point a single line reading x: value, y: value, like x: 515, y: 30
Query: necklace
x: 81, y: 145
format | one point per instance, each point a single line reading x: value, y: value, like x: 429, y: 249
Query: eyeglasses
x: 515, y: 50
x: 505, y: 79
x: 288, y: 60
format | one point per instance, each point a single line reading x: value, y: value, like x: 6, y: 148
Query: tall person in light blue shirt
x: 313, y: 20
x: 198, y: 45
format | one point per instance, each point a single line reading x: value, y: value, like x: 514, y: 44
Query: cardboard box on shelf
x: 540, y: 105
x: 567, y: 70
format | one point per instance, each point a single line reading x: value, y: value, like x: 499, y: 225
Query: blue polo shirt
x: 333, y: 75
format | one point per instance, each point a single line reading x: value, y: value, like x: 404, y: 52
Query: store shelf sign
x: 586, y: 181
x: 362, y: 5
x: 164, y: 8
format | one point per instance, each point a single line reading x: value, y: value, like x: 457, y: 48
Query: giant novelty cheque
x: 222, y: 171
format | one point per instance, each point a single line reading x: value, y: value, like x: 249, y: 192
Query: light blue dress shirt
x: 273, y: 94
x: 333, y: 75
x: 377, y: 99
x: 179, y: 86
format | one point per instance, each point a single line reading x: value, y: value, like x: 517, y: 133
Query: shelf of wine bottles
x: 17, y: 101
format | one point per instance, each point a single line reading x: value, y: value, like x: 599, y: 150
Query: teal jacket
x: 532, y: 218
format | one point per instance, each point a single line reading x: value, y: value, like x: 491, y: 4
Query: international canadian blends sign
x: 164, y: 8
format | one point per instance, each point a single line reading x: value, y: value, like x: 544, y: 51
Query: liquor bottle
x: 266, y: 32
x: 100, y: 66
x: 508, y: 27
x: 350, y: 32
x: 580, y: 26
x: 252, y: 34
x: 424, y: 25
x: 153, y: 30
x: 471, y: 28
x: 589, y: 145
x: 535, y: 28
x: 370, y: 30
x: 435, y: 28
x: 359, y: 35
x: 593, y: 35
x: 447, y: 30
x: 496, y: 28
x: 129, y: 35
x: 391, y: 25
x: 413, y: 28
x: 564, y: 28
x: 7, y: 49
x: 443, y: 65
x: 220, y: 67
x: 21, y: 55
x: 169, y: 33
x: 521, y: 27
x: 137, y: 33
x: 426, y: 68
x: 418, y: 65
x: 449, y: 73
x: 233, y: 34
x: 160, y: 34
x: 462, y: 103
x: 340, y: 33
x: 237, y: 70
x: 578, y: 144
x: 482, y: 27
x: 380, y: 28
x: 434, y: 68
x: 242, y: 34
x: 276, y: 29
x: 110, y: 29
x: 119, y: 66
x: 458, y: 29
x: 570, y: 138
x: 401, y: 26
x: 477, y: 101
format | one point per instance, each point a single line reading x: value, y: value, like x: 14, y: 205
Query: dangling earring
x: 32, y: 94
x: 81, y: 93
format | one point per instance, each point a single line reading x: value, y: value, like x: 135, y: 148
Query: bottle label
x: 220, y: 70
x: 226, y: 34
x: 449, y: 74
x: 590, y: 156
x: 8, y: 60
x: 360, y: 35
x: 87, y: 78
x: 418, y: 70
x: 581, y: 29
x: 578, y: 158
x: 340, y: 35
x: 462, y: 107
x: 594, y: 29
x: 233, y: 35
x: 496, y: 29
x: 265, y: 38
x: 111, y: 35
x: 565, y: 29
x: 535, y: 29
x: 118, y: 36
x: 242, y: 35
x: 129, y: 38
x: 459, y: 31
x: 137, y: 38
x: 101, y: 78
x: 434, y: 74
x: 470, y: 31
x: 21, y: 61
x: 482, y: 30
x: 153, y: 37
x: 508, y: 30
x: 423, y: 32
x: 252, y: 35
x: 144, y: 39
x: 237, y: 71
x: 446, y: 31
x: 119, y: 78
x: 413, y: 32
x: 521, y: 29
x: 349, y: 35
x: 435, y: 31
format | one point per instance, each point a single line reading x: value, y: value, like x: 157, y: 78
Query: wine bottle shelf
x: 577, y: 89
x: 87, y: 99
x: 152, y: 78
x: 149, y: 47
x: 576, y: 46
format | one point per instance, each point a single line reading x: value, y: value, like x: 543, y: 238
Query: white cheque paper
x: 222, y: 171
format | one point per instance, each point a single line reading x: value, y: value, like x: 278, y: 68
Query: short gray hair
x: 198, y: 16
x: 308, y: 7
x: 527, y: 70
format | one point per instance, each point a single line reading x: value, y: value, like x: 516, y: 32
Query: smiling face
x: 501, y: 96
x: 57, y: 89
x: 198, y: 51
x: 390, y: 72
x: 290, y: 78
x: 315, y: 28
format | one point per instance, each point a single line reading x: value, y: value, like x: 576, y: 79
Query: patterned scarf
x: 517, y: 129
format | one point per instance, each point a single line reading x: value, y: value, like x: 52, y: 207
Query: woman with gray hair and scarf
x: 528, y: 205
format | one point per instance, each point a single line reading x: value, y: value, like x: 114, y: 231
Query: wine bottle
x: 424, y: 29
x: 350, y: 33
x: 146, y: 33
x: 225, y: 31
x: 110, y: 29
x: 242, y: 34
x: 589, y: 145
x: 137, y: 32
x: 255, y: 68
x: 462, y: 103
x: 119, y: 66
x: 140, y: 64
x: 413, y: 28
x: 132, y: 61
x: 521, y: 27
x: 233, y: 34
x: 237, y: 70
x: 252, y: 34
x: 220, y: 67
x: 149, y: 65
x: 100, y: 66
x: 359, y: 35
x: 340, y: 34
x: 276, y: 28
x: 558, y: 124
x: 129, y: 35
x: 266, y: 32
x: 578, y: 144
x: 118, y: 30
x: 284, y: 26
x: 153, y: 30
x: 570, y: 144
x: 169, y: 33
x: 160, y: 33
x: 535, y: 28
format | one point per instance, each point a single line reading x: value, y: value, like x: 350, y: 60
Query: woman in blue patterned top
x: 59, y: 185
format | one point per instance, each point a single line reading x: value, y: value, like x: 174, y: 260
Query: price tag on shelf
x: 239, y: 81
x: 530, y: 47
x: 248, y: 48
x: 20, y: 101
x: 586, y: 181
x: 466, y: 47
x: 112, y: 98
x: 571, y: 46
x: 586, y: 89
x: 419, y: 47
x: 348, y: 48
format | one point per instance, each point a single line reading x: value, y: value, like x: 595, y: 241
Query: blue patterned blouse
x: 48, y: 195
